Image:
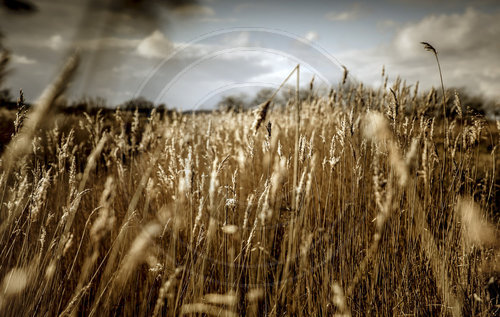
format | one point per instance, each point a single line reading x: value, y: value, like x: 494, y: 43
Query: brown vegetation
x: 127, y: 214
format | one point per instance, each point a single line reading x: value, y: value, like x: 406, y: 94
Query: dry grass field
x: 371, y: 210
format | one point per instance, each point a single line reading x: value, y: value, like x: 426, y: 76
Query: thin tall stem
x: 430, y: 48
x: 297, y: 138
x: 442, y: 88
x: 445, y: 126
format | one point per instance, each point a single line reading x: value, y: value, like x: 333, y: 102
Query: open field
x: 126, y: 214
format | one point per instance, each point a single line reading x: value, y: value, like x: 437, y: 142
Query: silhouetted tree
x: 5, y: 96
x: 4, y: 61
x: 139, y: 103
x: 232, y: 103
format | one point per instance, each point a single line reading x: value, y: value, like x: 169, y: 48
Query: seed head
x: 429, y: 47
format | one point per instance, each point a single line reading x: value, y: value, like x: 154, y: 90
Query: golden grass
x: 198, y: 214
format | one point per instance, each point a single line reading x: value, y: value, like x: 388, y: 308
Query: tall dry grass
x: 198, y: 214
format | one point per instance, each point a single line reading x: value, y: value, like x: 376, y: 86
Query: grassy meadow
x: 378, y: 206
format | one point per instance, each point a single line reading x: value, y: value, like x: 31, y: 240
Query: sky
x: 189, y: 54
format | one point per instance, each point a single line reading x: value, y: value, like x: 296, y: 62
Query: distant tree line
x: 242, y: 102
x: 467, y: 102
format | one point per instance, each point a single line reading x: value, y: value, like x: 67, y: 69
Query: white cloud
x: 340, y: 16
x: 20, y: 59
x: 468, y: 47
x: 351, y: 14
x: 237, y: 39
x: 312, y: 36
x: 155, y: 45
x: 107, y: 43
x: 55, y: 42
x: 193, y: 10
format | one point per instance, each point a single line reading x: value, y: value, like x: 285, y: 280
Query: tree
x: 467, y: 102
x: 4, y: 60
x: 232, y: 103
x: 5, y: 95
x: 288, y: 94
x: 262, y: 96
x: 139, y: 103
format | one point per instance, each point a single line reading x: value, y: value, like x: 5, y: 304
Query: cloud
x: 155, y: 45
x: 189, y: 10
x: 468, y: 47
x: 20, y: 59
x: 311, y: 36
x: 351, y: 14
x: 472, y: 32
x: 211, y: 78
x: 55, y: 42
x: 108, y: 43
x: 237, y: 39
